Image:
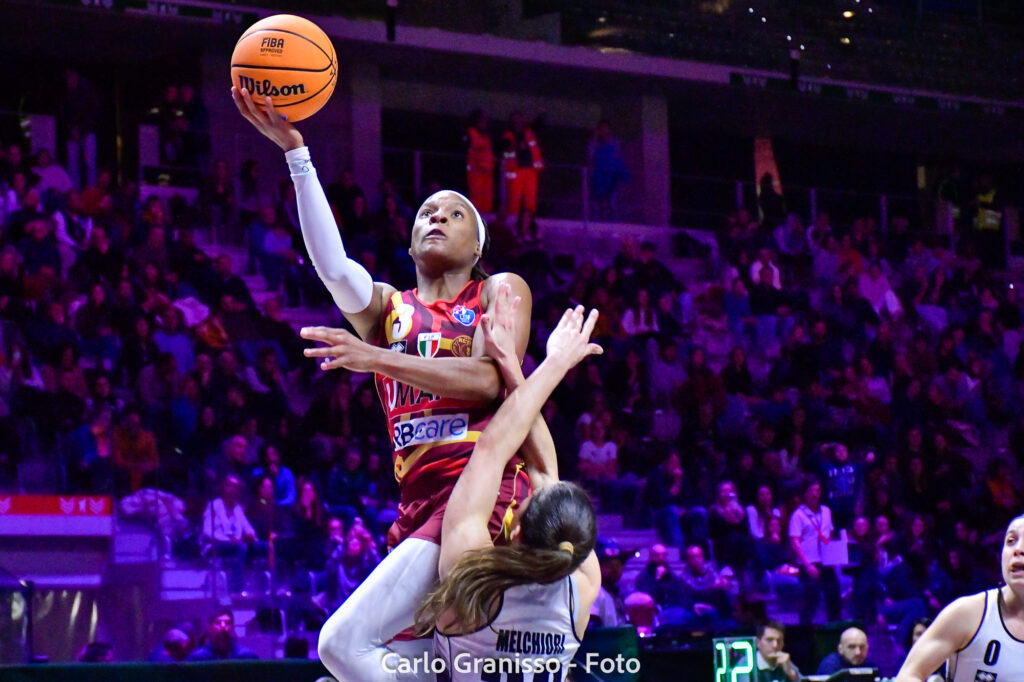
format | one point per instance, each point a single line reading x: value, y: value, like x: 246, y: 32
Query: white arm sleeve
x: 349, y: 283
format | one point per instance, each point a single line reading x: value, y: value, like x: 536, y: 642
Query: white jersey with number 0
x: 532, y: 638
x: 993, y: 654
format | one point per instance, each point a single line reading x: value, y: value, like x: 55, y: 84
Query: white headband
x: 481, y: 233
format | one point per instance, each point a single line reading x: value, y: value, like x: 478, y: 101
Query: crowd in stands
x: 135, y: 365
x: 866, y: 372
x: 871, y: 377
x: 183, y: 122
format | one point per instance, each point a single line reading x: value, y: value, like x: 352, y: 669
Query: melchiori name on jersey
x: 433, y: 429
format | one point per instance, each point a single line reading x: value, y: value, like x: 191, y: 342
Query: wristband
x: 298, y: 161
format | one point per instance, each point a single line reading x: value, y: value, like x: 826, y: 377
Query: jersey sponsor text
x: 432, y: 429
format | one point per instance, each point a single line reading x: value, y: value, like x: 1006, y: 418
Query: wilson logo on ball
x: 265, y: 87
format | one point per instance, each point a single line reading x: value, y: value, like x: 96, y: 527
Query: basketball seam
x: 279, y: 68
x: 291, y: 104
x: 298, y: 35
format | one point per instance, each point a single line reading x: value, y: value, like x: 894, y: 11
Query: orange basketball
x: 289, y: 58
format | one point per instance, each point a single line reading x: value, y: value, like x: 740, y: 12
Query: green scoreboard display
x: 735, y: 659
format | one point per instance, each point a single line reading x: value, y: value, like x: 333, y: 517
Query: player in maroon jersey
x: 437, y: 388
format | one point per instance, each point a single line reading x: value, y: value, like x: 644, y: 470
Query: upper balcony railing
x: 697, y: 202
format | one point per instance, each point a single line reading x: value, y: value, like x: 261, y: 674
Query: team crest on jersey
x: 428, y: 344
x: 399, y: 321
x: 985, y: 676
x: 464, y: 315
x: 462, y: 346
x: 398, y: 346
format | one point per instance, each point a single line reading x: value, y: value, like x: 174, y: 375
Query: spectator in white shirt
x: 52, y: 177
x: 765, y: 260
x: 875, y: 287
x: 598, y: 457
x: 640, y: 319
x: 759, y: 513
x: 810, y: 529
x: 226, y: 531
x: 10, y: 197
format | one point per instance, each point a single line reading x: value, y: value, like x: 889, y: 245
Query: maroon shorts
x: 422, y: 517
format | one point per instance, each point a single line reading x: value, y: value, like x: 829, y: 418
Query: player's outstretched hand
x: 342, y: 349
x: 570, y: 341
x: 267, y: 120
x: 499, y: 327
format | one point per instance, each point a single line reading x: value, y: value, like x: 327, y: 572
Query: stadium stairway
x: 299, y: 397
x: 185, y: 589
x: 635, y: 544
x: 303, y: 316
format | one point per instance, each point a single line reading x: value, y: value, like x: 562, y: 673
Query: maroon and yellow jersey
x: 433, y: 436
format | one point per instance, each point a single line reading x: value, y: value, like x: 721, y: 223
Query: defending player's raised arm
x: 354, y: 291
x: 473, y: 498
x: 951, y: 631
x: 501, y: 339
x: 539, y: 455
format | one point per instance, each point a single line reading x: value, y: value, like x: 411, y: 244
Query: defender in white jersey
x: 533, y: 634
x: 980, y: 636
x: 517, y: 611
